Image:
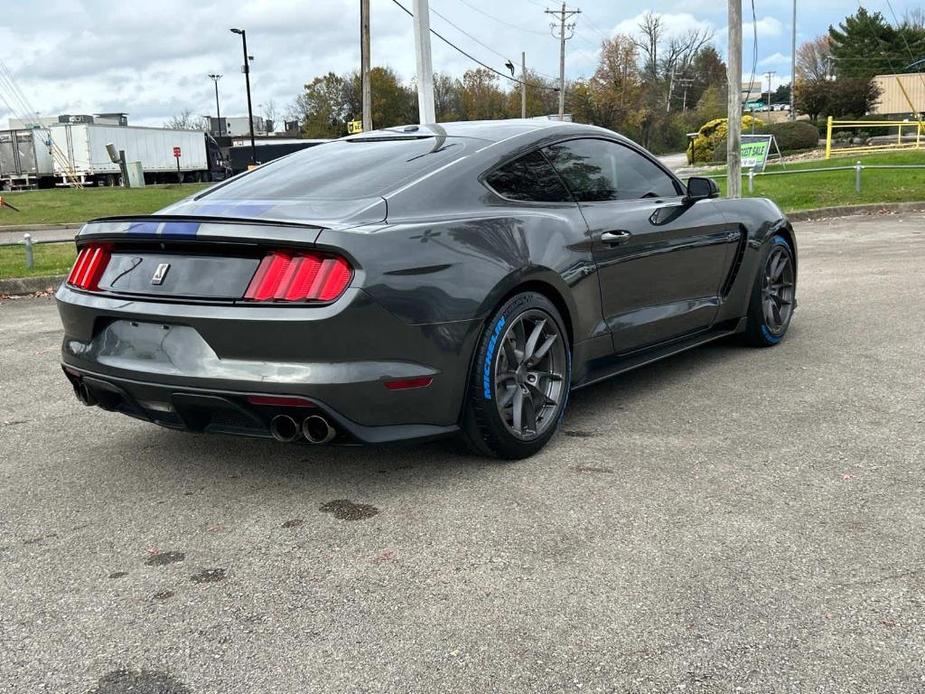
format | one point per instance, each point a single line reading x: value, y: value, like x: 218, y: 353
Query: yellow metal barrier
x: 900, y: 126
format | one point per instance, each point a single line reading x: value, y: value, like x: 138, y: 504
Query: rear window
x: 344, y: 169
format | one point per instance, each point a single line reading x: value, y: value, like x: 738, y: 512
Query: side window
x: 597, y: 170
x: 528, y: 178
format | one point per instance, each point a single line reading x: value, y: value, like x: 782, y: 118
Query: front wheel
x: 773, y: 296
x: 520, y: 379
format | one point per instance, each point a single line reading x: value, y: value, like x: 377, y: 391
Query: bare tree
x: 813, y: 58
x: 681, y: 50
x: 914, y: 18
x: 270, y: 112
x: 185, y: 120
x: 651, y: 29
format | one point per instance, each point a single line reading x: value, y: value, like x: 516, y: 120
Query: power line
x: 905, y: 41
x: 501, y: 21
x: 483, y: 45
x: 594, y: 26
x: 751, y: 80
x: 466, y: 33
x: 476, y: 60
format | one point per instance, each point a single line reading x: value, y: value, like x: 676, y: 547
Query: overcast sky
x: 151, y: 59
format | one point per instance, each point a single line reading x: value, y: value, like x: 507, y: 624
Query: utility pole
x: 246, y: 69
x: 670, y: 90
x: 523, y: 84
x: 734, y: 102
x: 218, y: 111
x: 364, y: 66
x: 685, y: 82
x: 425, y: 70
x: 769, y: 74
x: 562, y: 28
x: 793, y: 62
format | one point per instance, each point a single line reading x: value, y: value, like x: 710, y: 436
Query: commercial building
x: 896, y: 93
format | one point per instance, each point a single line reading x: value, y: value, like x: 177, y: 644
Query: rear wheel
x: 520, y: 379
x: 773, y: 296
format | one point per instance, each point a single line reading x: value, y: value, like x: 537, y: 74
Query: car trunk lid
x: 191, y: 258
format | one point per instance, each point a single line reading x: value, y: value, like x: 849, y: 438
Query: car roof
x: 488, y: 130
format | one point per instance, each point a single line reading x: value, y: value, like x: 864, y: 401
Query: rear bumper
x: 339, y: 356
x: 229, y: 412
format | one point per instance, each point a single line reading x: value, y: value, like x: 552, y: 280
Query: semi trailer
x: 66, y: 154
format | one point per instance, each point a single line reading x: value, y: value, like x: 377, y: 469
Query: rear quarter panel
x: 460, y: 268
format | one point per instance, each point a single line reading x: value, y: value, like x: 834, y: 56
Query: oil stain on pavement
x: 344, y: 509
x: 164, y: 558
x: 208, y: 576
x: 593, y: 469
x: 140, y: 682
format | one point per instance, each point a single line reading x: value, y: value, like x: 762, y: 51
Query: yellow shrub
x: 712, y: 133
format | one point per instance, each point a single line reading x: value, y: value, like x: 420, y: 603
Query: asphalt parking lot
x: 730, y: 520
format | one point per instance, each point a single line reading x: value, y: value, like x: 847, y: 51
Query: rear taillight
x: 299, y: 277
x: 89, y: 267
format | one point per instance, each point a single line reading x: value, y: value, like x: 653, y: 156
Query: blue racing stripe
x: 142, y: 228
x: 179, y: 228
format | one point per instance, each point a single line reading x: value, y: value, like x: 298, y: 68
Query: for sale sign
x: 754, y: 151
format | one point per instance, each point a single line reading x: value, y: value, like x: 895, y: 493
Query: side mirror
x: 701, y: 188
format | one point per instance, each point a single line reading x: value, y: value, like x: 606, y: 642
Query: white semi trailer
x: 25, y: 159
x: 75, y: 153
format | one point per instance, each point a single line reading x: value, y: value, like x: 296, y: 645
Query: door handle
x: 615, y: 238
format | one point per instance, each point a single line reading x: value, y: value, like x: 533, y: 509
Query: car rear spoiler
x: 189, y: 228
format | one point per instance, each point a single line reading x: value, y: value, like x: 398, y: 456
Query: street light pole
x: 218, y: 110
x: 247, y: 82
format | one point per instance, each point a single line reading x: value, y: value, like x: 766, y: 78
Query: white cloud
x: 766, y: 27
x: 674, y: 23
x: 151, y: 59
x: 777, y: 58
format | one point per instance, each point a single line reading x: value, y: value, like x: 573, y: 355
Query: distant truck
x: 239, y: 153
x: 66, y: 154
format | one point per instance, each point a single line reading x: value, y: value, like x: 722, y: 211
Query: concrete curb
x: 851, y: 210
x: 15, y: 286
x: 13, y: 228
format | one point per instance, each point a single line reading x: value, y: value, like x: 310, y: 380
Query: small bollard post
x: 27, y: 240
x: 751, y: 180
x: 857, y: 177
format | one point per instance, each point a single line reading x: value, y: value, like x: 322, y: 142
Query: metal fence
x: 909, y: 135
x: 857, y: 168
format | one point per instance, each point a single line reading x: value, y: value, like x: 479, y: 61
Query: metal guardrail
x: 28, y: 243
x: 899, y: 145
x: 751, y: 174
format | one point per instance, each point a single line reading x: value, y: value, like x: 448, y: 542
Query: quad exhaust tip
x: 284, y: 428
x: 317, y: 429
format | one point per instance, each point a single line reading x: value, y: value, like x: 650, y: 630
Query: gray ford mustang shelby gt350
x: 416, y: 282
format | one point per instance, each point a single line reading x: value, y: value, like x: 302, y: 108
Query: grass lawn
x: 72, y: 206
x: 823, y: 189
x: 49, y: 259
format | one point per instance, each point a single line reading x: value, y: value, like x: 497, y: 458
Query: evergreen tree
x: 865, y: 45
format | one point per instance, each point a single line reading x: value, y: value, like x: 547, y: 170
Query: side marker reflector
x: 409, y: 383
